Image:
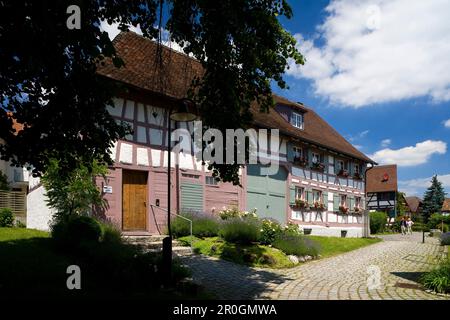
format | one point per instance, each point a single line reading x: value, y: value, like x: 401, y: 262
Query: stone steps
x: 154, y: 243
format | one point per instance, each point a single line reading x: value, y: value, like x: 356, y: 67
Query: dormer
x: 294, y: 114
x: 297, y: 119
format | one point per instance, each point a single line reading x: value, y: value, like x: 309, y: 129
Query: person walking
x: 403, y: 225
x: 409, y: 224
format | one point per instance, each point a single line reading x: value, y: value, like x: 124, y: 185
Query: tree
x: 75, y: 193
x: 4, y: 185
x: 49, y: 81
x: 401, y: 204
x: 433, y: 199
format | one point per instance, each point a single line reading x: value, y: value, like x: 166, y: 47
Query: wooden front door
x: 134, y: 200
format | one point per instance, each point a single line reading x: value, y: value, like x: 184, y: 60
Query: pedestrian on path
x: 403, y: 226
x: 409, y: 224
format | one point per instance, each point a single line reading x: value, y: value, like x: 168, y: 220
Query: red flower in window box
x: 301, y: 161
x: 343, y: 173
x: 318, y: 166
x: 319, y: 206
x: 299, y: 203
x: 357, y: 176
x: 357, y: 210
x: 343, y: 209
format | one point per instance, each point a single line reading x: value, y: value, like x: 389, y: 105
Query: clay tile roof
x: 141, y: 71
x: 446, y: 205
x: 413, y: 203
x: 376, y: 178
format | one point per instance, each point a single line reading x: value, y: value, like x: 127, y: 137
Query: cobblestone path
x: 352, y: 275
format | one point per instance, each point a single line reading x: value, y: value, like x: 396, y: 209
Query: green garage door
x: 267, y: 193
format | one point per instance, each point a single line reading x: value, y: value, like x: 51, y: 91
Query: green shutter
x: 336, y: 202
x: 351, y: 168
x: 290, y: 151
x: 348, y: 202
x: 309, y: 197
x: 335, y: 166
x: 309, y: 157
x: 325, y: 162
x: 292, y: 195
x: 352, y: 203
x: 325, y: 199
x: 191, y: 196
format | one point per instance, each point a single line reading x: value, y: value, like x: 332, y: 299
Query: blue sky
x: 380, y: 78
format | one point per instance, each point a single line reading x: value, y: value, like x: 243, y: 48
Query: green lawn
x: 331, y: 246
x: 30, y: 267
x: 256, y: 255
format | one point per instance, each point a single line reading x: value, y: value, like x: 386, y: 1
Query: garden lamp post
x: 184, y: 111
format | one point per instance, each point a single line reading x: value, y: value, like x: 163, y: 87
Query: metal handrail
x: 179, y: 215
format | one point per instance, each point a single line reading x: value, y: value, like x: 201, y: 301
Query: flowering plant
x: 270, y: 230
x: 233, y: 212
x: 319, y: 205
x: 292, y: 229
x: 300, y: 161
x: 357, y: 210
x: 301, y: 203
x: 318, y: 166
x: 343, y: 209
x: 343, y: 173
x: 357, y: 176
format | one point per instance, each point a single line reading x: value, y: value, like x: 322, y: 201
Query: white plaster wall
x: 126, y: 153
x: 39, y: 215
x: 142, y: 157
x: 352, y: 232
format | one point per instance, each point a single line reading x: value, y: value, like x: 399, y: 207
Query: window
x: 343, y: 200
x: 211, y: 181
x: 315, y: 157
x: 317, y: 194
x: 299, y: 193
x: 192, y: 176
x: 356, y: 168
x: 297, y: 120
x: 340, y: 165
x: 298, y: 152
x: 357, y: 202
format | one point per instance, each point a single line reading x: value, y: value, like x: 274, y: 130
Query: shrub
x: 202, y: 226
x: 110, y: 233
x: 296, y: 245
x: 242, y: 231
x: 292, y: 229
x: 445, y: 239
x: 270, y: 230
x: 6, y: 218
x: 438, y: 280
x: 436, y: 219
x: 20, y: 224
x: 231, y: 213
x: 76, y: 232
x: 377, y: 222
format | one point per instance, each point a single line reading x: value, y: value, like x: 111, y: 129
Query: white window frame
x: 298, y: 152
x: 301, y: 191
x: 210, y: 178
x: 317, y: 156
x: 317, y: 193
x: 341, y: 167
x: 297, y: 120
x: 343, y: 200
x: 358, y: 202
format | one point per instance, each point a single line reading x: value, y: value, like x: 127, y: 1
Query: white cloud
x: 358, y: 136
x: 447, y: 123
x: 418, y: 186
x: 377, y: 51
x: 386, y: 142
x: 412, y: 155
x: 113, y: 29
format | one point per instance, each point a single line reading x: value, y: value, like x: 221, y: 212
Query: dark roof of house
x: 176, y: 74
x: 376, y: 178
x: 446, y: 205
x: 413, y: 203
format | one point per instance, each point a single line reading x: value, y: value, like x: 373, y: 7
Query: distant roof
x: 413, y: 203
x: 141, y: 71
x: 382, y: 178
x: 446, y: 205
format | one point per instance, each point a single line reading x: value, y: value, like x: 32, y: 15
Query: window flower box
x: 319, y: 206
x: 301, y: 204
x: 343, y: 173
x: 318, y: 166
x: 301, y: 161
x: 357, y: 176
x: 343, y: 210
x: 357, y: 210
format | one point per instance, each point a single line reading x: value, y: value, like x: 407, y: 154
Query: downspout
x: 366, y: 233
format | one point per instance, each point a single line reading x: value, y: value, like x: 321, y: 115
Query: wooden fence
x: 15, y: 200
